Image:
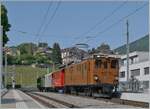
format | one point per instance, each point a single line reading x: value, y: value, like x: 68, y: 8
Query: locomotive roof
x: 94, y: 56
x: 106, y: 55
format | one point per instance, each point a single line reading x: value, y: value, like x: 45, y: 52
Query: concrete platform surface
x: 141, y: 97
x: 18, y: 99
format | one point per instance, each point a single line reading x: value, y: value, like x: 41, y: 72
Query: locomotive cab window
x: 114, y: 63
x: 98, y: 63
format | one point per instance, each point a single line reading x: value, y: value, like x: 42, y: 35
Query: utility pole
x: 127, y: 47
x: 1, y: 61
x: 20, y: 79
x: 5, y: 66
x: 13, y: 77
x: 53, y: 67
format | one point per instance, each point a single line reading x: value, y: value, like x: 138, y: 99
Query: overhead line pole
x: 1, y: 62
x: 127, y: 47
x: 5, y: 67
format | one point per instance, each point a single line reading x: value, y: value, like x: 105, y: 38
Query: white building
x: 139, y: 65
x: 72, y: 54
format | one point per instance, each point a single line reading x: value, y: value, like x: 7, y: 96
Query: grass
x: 26, y: 76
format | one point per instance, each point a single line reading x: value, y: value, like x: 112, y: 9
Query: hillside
x: 25, y: 75
x: 141, y: 44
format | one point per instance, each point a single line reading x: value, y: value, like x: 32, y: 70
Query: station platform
x: 139, y: 97
x: 17, y: 99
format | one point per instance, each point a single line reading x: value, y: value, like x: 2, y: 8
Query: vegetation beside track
x: 25, y: 75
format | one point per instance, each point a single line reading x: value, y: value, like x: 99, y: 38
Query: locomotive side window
x: 82, y: 70
x: 98, y: 63
x: 85, y: 67
x: 79, y: 68
x: 114, y: 63
x: 105, y: 64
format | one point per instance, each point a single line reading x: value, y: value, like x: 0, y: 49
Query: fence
x: 133, y: 85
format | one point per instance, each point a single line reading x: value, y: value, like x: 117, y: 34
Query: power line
x: 102, y: 21
x: 109, y: 27
x: 51, y: 18
x: 44, y: 18
x: 23, y: 32
x: 33, y: 34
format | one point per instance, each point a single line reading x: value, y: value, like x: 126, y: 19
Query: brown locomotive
x: 97, y: 75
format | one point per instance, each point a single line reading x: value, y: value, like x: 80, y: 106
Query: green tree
x: 42, y: 58
x: 27, y: 48
x: 104, y: 48
x: 56, y: 54
x: 5, y: 24
x: 27, y: 59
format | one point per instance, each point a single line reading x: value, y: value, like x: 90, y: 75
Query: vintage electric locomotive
x: 95, y: 76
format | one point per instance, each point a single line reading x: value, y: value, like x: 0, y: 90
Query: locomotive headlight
x: 95, y: 77
x: 116, y: 78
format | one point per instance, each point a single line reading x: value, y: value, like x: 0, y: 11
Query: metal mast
x: 1, y: 62
x: 127, y: 47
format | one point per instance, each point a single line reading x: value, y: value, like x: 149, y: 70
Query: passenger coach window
x: 114, y: 63
x: 98, y: 63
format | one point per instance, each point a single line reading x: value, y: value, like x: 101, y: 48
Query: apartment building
x: 139, y: 66
x: 72, y: 54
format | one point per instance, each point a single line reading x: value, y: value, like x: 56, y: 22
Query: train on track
x: 97, y: 75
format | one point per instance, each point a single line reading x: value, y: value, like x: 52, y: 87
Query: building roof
x: 72, y: 49
x: 135, y: 53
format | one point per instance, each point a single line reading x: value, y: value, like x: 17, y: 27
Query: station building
x: 139, y: 68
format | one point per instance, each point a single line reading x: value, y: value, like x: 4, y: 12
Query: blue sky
x: 72, y: 19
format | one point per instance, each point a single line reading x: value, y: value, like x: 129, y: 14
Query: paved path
x: 17, y: 99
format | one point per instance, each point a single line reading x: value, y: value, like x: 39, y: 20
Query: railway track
x: 51, y: 102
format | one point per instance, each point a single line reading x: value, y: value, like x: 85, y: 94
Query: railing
x: 134, y: 86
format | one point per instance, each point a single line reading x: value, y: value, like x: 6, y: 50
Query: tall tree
x: 27, y: 48
x: 104, y: 48
x: 5, y: 24
x: 56, y: 54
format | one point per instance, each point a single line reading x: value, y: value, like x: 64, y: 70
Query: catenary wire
x: 109, y: 27
x: 50, y: 20
x: 44, y: 19
x: 101, y: 21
